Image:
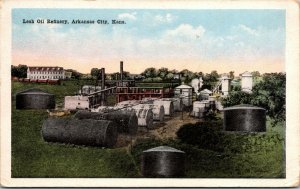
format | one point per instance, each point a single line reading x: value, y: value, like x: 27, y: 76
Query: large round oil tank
x: 163, y: 161
x: 89, y: 132
x: 35, y: 99
x: 127, y: 121
x: 244, y: 118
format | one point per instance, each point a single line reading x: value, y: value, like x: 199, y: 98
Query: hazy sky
x: 199, y: 40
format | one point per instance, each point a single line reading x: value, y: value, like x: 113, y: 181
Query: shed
x: 184, y: 92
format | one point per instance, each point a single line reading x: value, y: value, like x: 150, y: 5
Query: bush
x: 211, y: 137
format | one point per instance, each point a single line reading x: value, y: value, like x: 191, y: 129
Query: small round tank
x: 163, y: 161
x: 244, y: 118
x: 168, y: 106
x: 198, y: 108
x: 35, y: 99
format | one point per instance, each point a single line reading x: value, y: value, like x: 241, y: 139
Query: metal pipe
x: 121, y: 72
x: 102, y: 86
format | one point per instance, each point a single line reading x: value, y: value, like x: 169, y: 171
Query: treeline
x: 186, y: 76
x: 19, y: 71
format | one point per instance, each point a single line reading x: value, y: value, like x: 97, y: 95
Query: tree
x: 75, y: 74
x: 19, y: 71
x: 170, y: 76
x: 255, y: 74
x: 214, y: 76
x: 95, y: 72
x: 162, y: 73
x: 149, y: 73
x: 126, y: 75
x: 187, y: 75
x: 210, y: 80
x: 231, y: 74
x: 270, y: 94
x: 236, y: 98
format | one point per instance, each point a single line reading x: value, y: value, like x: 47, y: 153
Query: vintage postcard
x: 149, y: 93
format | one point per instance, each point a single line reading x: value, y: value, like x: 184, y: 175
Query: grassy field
x: 32, y: 157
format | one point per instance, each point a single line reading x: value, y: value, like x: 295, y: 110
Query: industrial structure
x: 134, y: 106
x: 247, y: 82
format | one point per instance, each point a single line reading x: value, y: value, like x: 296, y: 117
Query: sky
x: 198, y: 40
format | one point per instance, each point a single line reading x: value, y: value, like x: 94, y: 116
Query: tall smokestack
x: 121, y: 72
x: 102, y: 86
x: 102, y: 78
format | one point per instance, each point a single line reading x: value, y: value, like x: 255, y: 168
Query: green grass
x: 215, y: 154
x: 33, y: 157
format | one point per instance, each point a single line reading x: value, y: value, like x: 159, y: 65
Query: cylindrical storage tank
x: 198, y: 107
x: 212, y: 98
x: 163, y: 161
x: 219, y: 105
x: 127, y: 121
x: 129, y: 102
x: 148, y: 100
x: 244, y: 118
x: 212, y: 102
x: 145, y: 117
x: 206, y: 104
x: 103, y: 109
x: 157, y: 110
x: 87, y: 132
x: 212, y: 105
x: 144, y: 114
x: 35, y: 99
x: 168, y: 106
x: 177, y: 102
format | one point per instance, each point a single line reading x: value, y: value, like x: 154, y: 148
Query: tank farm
x: 138, y: 112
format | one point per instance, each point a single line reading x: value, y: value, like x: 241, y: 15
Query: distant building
x: 45, y: 73
x: 185, y: 92
x: 176, y: 76
x: 68, y: 75
x: 247, y: 82
x: 225, y: 85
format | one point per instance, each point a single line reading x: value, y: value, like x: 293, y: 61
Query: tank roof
x: 246, y: 74
x: 183, y: 86
x: 243, y: 106
x: 34, y: 91
x: 164, y: 149
x: 206, y: 91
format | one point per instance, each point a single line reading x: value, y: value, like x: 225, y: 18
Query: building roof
x: 205, y: 91
x: 44, y: 68
x: 183, y: 87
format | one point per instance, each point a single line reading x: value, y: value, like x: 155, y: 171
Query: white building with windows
x: 45, y: 73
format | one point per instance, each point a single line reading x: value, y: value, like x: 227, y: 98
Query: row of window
x: 46, y: 77
x: 46, y: 72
